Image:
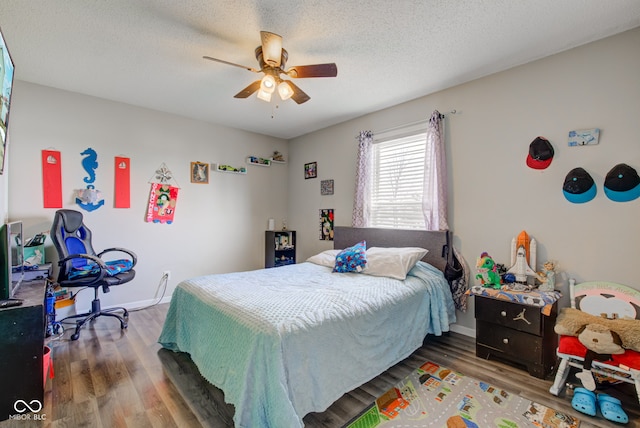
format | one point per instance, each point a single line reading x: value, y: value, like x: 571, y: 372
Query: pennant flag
x: 52, y: 179
x: 122, y: 193
x: 162, y: 203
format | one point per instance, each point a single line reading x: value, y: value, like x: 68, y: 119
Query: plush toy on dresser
x: 547, y: 277
x: 487, y: 271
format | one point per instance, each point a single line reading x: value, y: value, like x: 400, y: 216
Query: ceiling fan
x: 272, y: 58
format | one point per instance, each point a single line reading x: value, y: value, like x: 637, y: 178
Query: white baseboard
x: 463, y: 330
x: 141, y: 304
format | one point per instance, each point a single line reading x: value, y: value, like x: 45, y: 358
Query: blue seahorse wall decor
x: 89, y: 199
x: 90, y: 164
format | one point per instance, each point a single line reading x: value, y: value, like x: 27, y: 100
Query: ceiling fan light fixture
x: 285, y: 90
x: 268, y: 84
x: 264, y: 95
x: 271, y: 48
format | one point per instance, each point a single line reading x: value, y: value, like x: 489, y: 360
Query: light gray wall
x: 218, y: 227
x: 493, y: 195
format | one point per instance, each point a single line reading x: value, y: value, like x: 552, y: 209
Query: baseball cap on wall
x: 579, y: 186
x: 540, y: 153
x: 622, y: 183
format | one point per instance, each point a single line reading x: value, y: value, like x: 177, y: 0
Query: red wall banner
x: 52, y: 179
x: 122, y: 192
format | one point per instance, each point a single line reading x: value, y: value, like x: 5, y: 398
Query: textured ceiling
x: 149, y: 52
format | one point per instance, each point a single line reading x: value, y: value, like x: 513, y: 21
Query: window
x: 397, y: 181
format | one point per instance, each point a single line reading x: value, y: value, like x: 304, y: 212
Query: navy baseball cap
x: 540, y: 153
x: 578, y: 186
x: 622, y: 183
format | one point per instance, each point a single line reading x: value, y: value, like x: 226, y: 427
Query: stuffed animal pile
x: 601, y: 336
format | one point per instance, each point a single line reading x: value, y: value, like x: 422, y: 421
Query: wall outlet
x: 167, y: 274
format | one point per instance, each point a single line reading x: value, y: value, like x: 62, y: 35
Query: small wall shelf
x: 277, y: 161
x: 255, y: 160
x: 229, y: 169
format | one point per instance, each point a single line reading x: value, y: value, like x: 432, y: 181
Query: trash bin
x: 47, y: 365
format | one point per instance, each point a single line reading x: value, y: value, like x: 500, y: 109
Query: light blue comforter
x: 287, y: 341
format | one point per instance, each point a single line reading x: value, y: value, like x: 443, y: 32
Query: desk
x: 21, y: 346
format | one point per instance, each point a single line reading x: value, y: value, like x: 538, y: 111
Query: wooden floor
x: 113, y: 378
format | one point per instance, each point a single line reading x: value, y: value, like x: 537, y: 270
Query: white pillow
x: 326, y: 258
x: 392, y: 262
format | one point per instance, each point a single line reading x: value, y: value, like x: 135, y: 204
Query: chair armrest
x: 96, y: 260
x: 131, y: 254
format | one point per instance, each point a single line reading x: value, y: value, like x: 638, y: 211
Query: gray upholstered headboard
x: 434, y: 241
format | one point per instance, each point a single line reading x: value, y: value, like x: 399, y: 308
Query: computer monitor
x: 12, y: 247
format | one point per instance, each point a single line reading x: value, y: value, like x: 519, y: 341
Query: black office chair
x: 80, y: 266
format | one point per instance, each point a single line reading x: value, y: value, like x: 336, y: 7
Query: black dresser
x: 516, y: 332
x: 21, y: 353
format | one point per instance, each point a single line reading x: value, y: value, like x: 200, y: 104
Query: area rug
x: 436, y: 396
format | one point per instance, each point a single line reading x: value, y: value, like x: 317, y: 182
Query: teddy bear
x: 601, y: 336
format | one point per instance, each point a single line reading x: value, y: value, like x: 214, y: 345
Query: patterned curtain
x: 360, y: 216
x: 434, y: 197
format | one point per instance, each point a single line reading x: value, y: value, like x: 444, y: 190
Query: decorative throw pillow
x: 392, y: 262
x: 352, y: 259
x: 326, y: 258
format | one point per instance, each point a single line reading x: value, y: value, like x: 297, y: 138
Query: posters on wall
x: 162, y: 197
x: 326, y: 224
x: 162, y: 203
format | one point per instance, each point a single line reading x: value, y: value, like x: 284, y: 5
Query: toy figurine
x: 488, y: 272
x: 548, y: 276
x: 523, y: 257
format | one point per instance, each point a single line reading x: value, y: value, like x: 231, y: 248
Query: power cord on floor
x: 164, y: 282
x: 58, y: 329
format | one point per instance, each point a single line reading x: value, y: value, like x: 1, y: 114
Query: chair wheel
x: 124, y: 325
x: 75, y: 336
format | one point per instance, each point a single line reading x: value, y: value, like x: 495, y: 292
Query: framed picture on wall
x: 199, y: 172
x: 326, y: 224
x: 326, y: 187
x: 310, y: 170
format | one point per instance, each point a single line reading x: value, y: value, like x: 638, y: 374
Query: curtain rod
x: 393, y: 128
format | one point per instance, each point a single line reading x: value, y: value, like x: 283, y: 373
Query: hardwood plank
x: 114, y: 378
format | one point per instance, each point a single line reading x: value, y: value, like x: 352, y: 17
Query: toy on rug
x: 487, y: 271
x: 548, y: 276
x: 602, y: 337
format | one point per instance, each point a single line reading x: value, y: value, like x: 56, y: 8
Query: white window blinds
x: 397, y: 186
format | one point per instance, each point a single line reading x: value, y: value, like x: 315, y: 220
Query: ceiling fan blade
x: 271, y: 48
x: 231, y: 63
x: 248, y: 90
x: 316, y: 70
x: 298, y: 94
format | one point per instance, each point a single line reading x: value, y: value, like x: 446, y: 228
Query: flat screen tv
x: 12, y: 247
x: 6, y: 79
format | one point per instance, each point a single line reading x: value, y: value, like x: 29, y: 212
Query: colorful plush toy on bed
x: 487, y: 271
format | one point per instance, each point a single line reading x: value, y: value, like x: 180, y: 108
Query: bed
x: 287, y: 341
